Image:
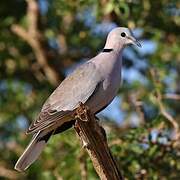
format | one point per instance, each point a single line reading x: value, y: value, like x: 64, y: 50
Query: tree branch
x: 83, y: 165
x: 163, y: 111
x: 172, y: 96
x: 94, y: 141
x: 168, y: 116
x: 33, y: 38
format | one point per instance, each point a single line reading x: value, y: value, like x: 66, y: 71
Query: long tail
x: 32, y: 151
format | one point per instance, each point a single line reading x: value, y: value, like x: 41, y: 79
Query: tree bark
x: 94, y: 141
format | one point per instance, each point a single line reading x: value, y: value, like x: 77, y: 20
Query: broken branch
x: 94, y: 141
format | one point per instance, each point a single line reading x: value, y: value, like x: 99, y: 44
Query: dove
x: 94, y: 83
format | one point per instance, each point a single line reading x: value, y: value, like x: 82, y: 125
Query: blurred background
x: 42, y: 41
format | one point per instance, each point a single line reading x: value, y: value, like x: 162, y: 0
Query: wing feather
x: 77, y: 87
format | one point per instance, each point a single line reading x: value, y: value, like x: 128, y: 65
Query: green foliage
x: 142, y: 157
x: 144, y: 150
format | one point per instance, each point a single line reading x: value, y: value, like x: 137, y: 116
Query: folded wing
x: 77, y: 87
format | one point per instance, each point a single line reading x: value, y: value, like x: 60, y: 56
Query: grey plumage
x: 33, y: 150
x: 94, y: 83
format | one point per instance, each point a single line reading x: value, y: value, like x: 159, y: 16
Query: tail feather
x: 32, y: 152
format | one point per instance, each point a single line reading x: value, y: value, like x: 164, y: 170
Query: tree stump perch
x: 94, y: 141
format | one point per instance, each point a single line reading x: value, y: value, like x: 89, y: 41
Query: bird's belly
x: 105, y: 94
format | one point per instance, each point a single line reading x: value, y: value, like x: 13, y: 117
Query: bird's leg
x: 82, y: 112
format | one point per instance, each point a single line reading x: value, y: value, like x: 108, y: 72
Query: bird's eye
x: 123, y: 34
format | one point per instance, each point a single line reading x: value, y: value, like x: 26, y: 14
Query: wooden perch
x: 94, y: 141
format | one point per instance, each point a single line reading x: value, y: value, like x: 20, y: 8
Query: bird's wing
x: 77, y: 87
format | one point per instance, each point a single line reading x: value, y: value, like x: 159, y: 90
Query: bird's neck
x: 114, y: 45
x: 108, y: 62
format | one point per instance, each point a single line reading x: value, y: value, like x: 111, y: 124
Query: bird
x: 94, y: 83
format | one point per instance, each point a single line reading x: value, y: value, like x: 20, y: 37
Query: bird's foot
x: 82, y: 112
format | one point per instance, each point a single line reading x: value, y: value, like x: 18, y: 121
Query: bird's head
x: 121, y: 37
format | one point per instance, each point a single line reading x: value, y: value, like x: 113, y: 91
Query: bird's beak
x: 134, y: 41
